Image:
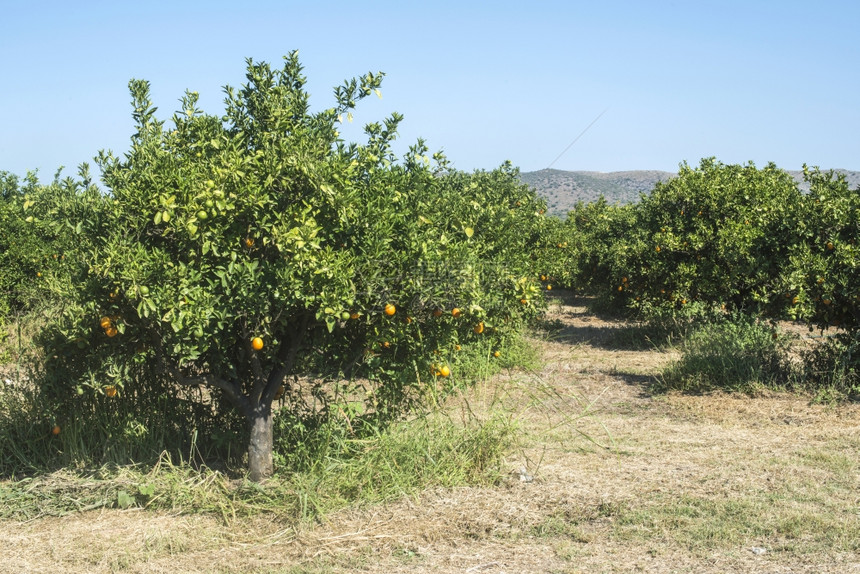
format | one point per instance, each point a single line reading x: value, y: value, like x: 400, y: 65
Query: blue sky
x: 486, y: 82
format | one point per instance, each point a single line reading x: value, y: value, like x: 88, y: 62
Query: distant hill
x: 562, y: 189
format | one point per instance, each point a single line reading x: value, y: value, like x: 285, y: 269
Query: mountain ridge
x: 563, y: 189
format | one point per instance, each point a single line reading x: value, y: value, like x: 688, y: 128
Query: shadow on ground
x: 572, y: 321
x: 647, y: 385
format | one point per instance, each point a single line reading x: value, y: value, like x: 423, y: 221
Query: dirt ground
x: 639, y: 483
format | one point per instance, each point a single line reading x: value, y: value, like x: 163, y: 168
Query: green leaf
x: 124, y: 500
x: 146, y: 489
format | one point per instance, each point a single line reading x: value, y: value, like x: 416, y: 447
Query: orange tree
x: 252, y: 253
x: 714, y: 236
x: 13, y: 271
x: 36, y: 254
x: 825, y: 261
x: 600, y: 235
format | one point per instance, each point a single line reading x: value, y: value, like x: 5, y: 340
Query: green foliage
x: 723, y: 238
x: 736, y: 354
x: 331, y: 470
x: 825, y: 261
x: 257, y: 255
x: 717, y: 234
x: 24, y: 252
x: 831, y: 370
x: 138, y: 424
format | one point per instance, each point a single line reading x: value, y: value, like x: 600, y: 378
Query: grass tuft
x: 407, y: 457
x: 737, y: 354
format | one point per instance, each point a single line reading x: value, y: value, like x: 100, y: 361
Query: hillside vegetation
x: 563, y: 189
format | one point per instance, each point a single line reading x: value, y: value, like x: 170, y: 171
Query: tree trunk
x: 260, y: 445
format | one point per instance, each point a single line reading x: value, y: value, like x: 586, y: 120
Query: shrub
x: 736, y: 354
x: 831, y: 370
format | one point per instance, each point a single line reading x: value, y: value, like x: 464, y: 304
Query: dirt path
x: 688, y: 484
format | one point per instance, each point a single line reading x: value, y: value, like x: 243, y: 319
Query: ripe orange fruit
x: 479, y: 328
x: 390, y: 309
x: 830, y: 245
x: 110, y: 391
x: 444, y: 371
x: 549, y: 287
x: 621, y: 287
x: 257, y: 343
x: 354, y: 315
x: 524, y: 301
x: 55, y: 430
x: 657, y: 249
x: 543, y: 277
x: 457, y: 347
x: 497, y: 354
x: 105, y: 322
x: 386, y: 345
x: 249, y: 242
x: 455, y: 312
x: 111, y: 331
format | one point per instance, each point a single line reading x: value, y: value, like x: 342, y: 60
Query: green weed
x: 736, y: 354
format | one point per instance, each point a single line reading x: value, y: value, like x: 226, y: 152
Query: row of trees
x: 259, y: 260
x: 258, y: 256
x: 723, y: 238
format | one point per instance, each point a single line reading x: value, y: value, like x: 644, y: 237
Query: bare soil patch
x: 669, y: 483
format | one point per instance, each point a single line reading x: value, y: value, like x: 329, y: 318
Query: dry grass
x: 715, y: 483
